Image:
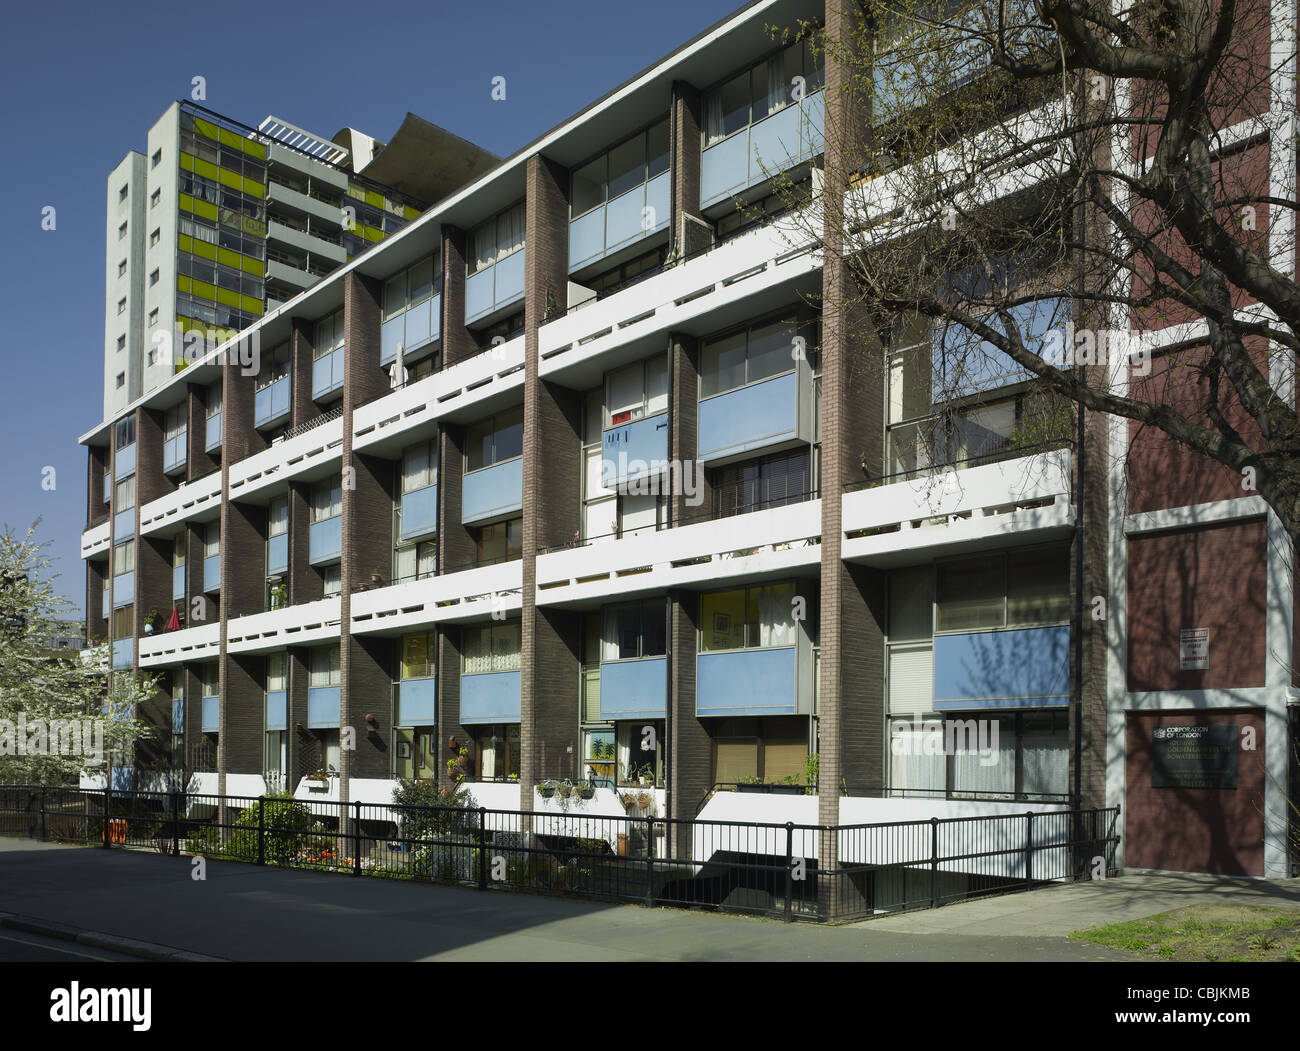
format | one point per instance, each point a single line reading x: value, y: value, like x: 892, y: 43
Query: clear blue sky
x: 82, y: 83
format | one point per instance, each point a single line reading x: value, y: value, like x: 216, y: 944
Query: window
x: 636, y: 763
x: 499, y: 237
x: 121, y: 343
x: 156, y: 160
x: 495, y: 440
x: 153, y: 280
x: 772, y: 481
x: 628, y: 165
x: 124, y: 435
x: 120, y: 381
x: 155, y: 198
x: 489, y: 648
x: 417, y: 561
x: 124, y: 494
x: 210, y: 679
x: 121, y: 306
x: 152, y: 357
x: 323, y: 668
x: 418, y: 655
x: 420, y: 467
x: 153, y: 317
x: 498, y: 751
x: 277, y: 516
x: 1029, y: 587
x: 761, y: 91
x: 746, y: 357
x: 124, y: 622
x: 500, y: 542
x: 155, y: 237
x: 212, y: 540
x: 412, y: 286
x: 633, y: 630
x: 121, y: 194
x: 124, y: 557
x: 121, y: 268
x: 772, y: 750
x: 636, y: 391
x: 748, y: 618
x: 327, y: 500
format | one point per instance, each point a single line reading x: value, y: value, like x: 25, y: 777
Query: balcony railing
x: 495, y: 287
x: 175, y: 452
x: 271, y: 403
x: 325, y: 540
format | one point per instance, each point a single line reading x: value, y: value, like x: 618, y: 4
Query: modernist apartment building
x: 437, y: 514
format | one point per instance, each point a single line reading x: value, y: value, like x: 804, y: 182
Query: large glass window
x: 327, y: 500
x: 420, y: 466
x: 625, y: 167
x: 771, y: 750
x: 746, y: 618
x: 323, y: 668
x: 277, y: 517
x: 489, y: 648
x: 418, y: 655
x: 754, y: 485
x: 412, y: 286
x: 631, y: 630
x: 749, y: 356
x: 636, y: 391
x: 500, y: 542
x: 761, y: 91
x: 498, y: 751
x: 124, y: 558
x: 499, y: 237
x: 124, y: 434
x: 124, y: 494
x: 1020, y: 588
x: 495, y: 440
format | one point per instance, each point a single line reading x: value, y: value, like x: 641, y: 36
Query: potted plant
x: 628, y: 799
x: 645, y: 802
x: 152, y: 621
x: 546, y: 789
x: 565, y: 789
x: 279, y: 596
x: 318, y: 781
x: 586, y: 791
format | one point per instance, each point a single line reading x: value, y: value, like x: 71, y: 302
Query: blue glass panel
x: 123, y: 590
x: 724, y: 169
x: 323, y: 707
x: 212, y: 573
x: 277, y: 704
x: 744, y: 682
x: 634, y: 689
x: 178, y: 582
x: 479, y: 298
x: 631, y: 451
x: 417, y: 326
x: 123, y: 651
x: 587, y: 238
x: 211, y: 715
x: 124, y: 462
x: 491, y: 698
x: 391, y: 333
x: 773, y: 144
x: 420, y: 512
x: 1025, y: 667
x: 493, y: 491
x: 277, y: 554
x: 625, y: 219
x: 326, y: 539
x: 416, y: 702
x: 124, y: 525
x: 510, y: 279
x: 178, y: 717
x: 213, y: 433
x: 749, y: 418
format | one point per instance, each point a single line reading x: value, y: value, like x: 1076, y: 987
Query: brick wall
x: 456, y: 545
x: 301, y: 360
x: 243, y: 701
x: 457, y: 341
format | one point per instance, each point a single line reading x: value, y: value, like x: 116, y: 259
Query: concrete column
x: 458, y: 342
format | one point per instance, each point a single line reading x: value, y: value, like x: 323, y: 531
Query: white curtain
x: 776, y: 615
x: 778, y: 91
x: 713, y: 117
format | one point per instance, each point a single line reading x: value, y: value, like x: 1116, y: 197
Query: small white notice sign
x: 1194, y: 649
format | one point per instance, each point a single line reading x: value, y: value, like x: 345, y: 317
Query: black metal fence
x: 793, y: 872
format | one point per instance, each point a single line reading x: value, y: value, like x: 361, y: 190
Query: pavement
x: 149, y: 906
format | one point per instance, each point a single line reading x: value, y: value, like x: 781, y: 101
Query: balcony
x: 636, y: 214
x: 277, y: 554
x: 470, y: 594
x: 181, y: 503
x: 750, y: 157
x: 317, y: 442
x: 212, y: 433
x: 124, y: 462
x: 212, y: 574
x: 1023, y: 496
x: 316, y: 238
x: 271, y: 403
x: 327, y: 374
x: 413, y: 329
x: 123, y: 589
x: 123, y: 654
x: 95, y: 541
x: 494, y: 288
x: 632, y: 451
x: 176, y: 452
x: 419, y: 513
x: 325, y: 541
x: 492, y: 697
x: 211, y: 718
x: 416, y: 702
x: 174, y: 647
x: 124, y: 525
x: 634, y: 689
x: 178, y: 583
x: 1009, y: 668
x: 763, y: 679
x: 323, y: 708
x: 302, y: 624
x: 494, y: 492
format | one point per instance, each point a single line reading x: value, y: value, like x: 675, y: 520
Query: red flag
x: 174, y: 623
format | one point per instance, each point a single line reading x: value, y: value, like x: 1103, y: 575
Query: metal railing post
x: 108, y: 797
x: 261, y: 830
x: 650, y: 862
x: 176, y: 827
x: 789, y: 875
x: 482, y: 849
x: 44, y: 830
x: 1029, y: 849
x: 356, y: 829
x: 934, y: 861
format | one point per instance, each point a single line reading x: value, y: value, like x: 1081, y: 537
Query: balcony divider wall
x: 458, y: 342
x: 371, y: 686
x: 552, y: 459
x: 301, y: 359
x: 305, y: 584
x: 457, y: 548
x: 366, y: 505
x: 691, y: 235
x: 243, y: 712
x: 448, y: 723
x: 690, y: 748
x: 199, y: 460
x: 302, y: 753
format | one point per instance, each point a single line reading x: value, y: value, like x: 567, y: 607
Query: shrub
x: 285, y: 820
x: 451, y: 817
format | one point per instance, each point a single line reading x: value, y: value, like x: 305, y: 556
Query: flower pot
x: 546, y: 793
x: 622, y: 845
x: 586, y: 792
